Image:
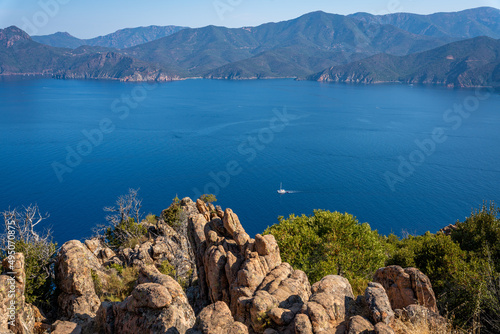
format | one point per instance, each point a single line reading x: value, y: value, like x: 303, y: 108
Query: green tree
x: 329, y: 243
x: 208, y: 198
x: 458, y: 279
x: 480, y: 234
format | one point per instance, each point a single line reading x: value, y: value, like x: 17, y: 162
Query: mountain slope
x: 470, y: 63
x: 20, y: 55
x: 305, y: 45
x: 483, y: 21
x: 120, y: 39
x: 275, y: 49
x: 59, y: 40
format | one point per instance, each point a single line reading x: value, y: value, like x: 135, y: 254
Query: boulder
x: 157, y: 305
x: 378, y: 304
x: 302, y: 324
x: 104, y: 254
x: 360, y: 325
x: 419, y: 315
x: 16, y: 315
x: 66, y: 327
x: 406, y: 287
x: 77, y: 301
x: 150, y: 295
x: 217, y: 319
x: 262, y: 303
x: 382, y: 328
x: 328, y: 306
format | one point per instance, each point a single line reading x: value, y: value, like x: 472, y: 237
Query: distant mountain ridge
x: 356, y: 48
x: 121, y: 39
x: 470, y: 23
x: 20, y: 55
x: 284, y: 49
x: 469, y: 63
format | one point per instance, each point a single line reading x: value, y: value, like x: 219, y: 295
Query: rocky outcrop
x: 382, y: 328
x: 328, y: 306
x: 243, y: 287
x: 421, y: 315
x: 78, y: 301
x: 16, y: 315
x: 246, y: 274
x: 448, y: 230
x: 360, y: 325
x: 217, y: 319
x: 378, y: 304
x: 406, y: 287
x: 66, y: 327
x: 157, y: 305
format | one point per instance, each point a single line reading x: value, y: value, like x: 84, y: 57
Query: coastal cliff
x: 205, y: 274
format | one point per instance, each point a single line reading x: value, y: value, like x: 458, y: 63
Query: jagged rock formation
x: 78, y: 301
x: 378, y: 303
x: 242, y: 287
x: 17, y: 316
x: 217, y: 319
x: 157, y: 305
x: 406, y: 287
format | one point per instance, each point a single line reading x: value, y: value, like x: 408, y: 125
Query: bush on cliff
x: 208, y: 198
x: 172, y: 215
x: 118, y: 284
x: 38, y: 249
x: 479, y: 234
x: 124, y: 227
x: 329, y: 243
x: 463, y: 268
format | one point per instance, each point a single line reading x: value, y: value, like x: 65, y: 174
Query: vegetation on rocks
x: 463, y: 265
x: 172, y: 215
x: 125, y: 228
x: 208, y: 198
x: 38, y: 248
x: 260, y: 284
x: 329, y: 243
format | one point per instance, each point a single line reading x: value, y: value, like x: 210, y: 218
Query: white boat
x: 281, y: 190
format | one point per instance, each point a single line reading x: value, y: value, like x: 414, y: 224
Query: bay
x: 334, y: 145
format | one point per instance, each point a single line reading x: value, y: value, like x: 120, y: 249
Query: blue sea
x: 405, y: 159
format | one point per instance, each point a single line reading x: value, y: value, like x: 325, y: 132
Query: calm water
x: 335, y: 147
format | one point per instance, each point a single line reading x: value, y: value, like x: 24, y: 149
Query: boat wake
x: 282, y: 191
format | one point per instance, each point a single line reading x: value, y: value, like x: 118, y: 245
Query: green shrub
x: 152, y: 219
x: 329, y: 243
x: 97, y: 282
x: 172, y: 214
x: 124, y: 222
x: 208, y: 198
x: 38, y: 249
x: 167, y: 269
x: 458, y: 279
x: 479, y: 234
x: 119, y: 286
x: 38, y: 258
x: 117, y: 267
x: 125, y: 234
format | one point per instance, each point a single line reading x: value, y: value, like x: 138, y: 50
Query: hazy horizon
x: 92, y: 19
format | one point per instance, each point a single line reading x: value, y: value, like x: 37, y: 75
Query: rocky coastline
x: 224, y: 282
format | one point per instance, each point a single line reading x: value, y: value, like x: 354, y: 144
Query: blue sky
x: 91, y: 18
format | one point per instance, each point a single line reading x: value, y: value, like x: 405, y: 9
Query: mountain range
x: 469, y: 63
x: 482, y: 21
x: 355, y: 48
x: 20, y: 55
x: 121, y: 39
